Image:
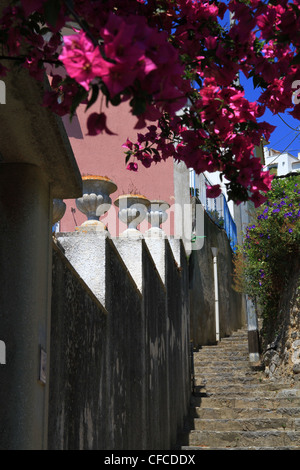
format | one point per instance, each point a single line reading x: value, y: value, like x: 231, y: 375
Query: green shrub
x: 271, y: 245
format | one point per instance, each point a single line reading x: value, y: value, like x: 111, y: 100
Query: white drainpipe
x: 217, y: 319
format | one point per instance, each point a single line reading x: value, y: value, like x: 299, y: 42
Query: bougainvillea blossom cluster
x: 177, y: 63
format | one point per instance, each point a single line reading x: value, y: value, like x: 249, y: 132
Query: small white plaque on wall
x: 43, y: 366
x: 2, y: 352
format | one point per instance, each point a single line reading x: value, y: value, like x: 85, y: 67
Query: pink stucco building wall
x: 103, y: 155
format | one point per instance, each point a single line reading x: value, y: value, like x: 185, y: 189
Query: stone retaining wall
x: 119, y: 367
x: 232, y: 308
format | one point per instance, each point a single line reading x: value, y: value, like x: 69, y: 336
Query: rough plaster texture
x: 25, y: 257
x: 202, y: 302
x: 37, y: 165
x: 156, y: 364
x: 125, y: 355
x: 157, y: 248
x: 86, y: 252
x: 130, y: 250
x: 31, y: 133
x: 177, y: 249
x: 183, y: 213
x: 178, y: 324
x: 117, y: 373
x: 77, y: 401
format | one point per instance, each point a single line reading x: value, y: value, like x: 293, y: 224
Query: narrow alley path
x: 235, y: 407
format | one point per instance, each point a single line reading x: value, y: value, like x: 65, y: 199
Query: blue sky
x: 286, y: 136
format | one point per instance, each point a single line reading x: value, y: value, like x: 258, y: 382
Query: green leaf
x: 95, y: 93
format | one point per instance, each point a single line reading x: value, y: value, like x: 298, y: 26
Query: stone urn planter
x: 95, y: 201
x: 157, y: 215
x: 132, y: 211
x: 59, y: 209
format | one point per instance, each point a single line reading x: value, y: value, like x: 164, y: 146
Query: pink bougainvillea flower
x: 117, y: 76
x: 122, y: 47
x: 111, y: 28
x: 258, y: 198
x: 145, y: 158
x: 60, y: 98
x: 96, y: 124
x: 266, y: 129
x: 31, y: 5
x: 211, y: 42
x: 132, y: 166
x: 82, y: 60
x: 213, y: 191
x: 244, y: 177
x: 128, y: 144
x: 263, y: 182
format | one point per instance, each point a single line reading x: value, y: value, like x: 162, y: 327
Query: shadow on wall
x: 232, y: 310
x: 119, y: 373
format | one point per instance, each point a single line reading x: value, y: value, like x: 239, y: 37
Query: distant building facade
x: 280, y: 163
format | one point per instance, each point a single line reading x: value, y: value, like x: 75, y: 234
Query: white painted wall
x: 285, y: 162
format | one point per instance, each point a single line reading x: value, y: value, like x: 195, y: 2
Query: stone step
x: 223, y: 363
x: 236, y: 407
x: 247, y: 424
x: 221, y: 355
x: 230, y: 347
x: 225, y: 342
x: 234, y: 334
x: 244, y: 413
x: 232, y: 352
x: 228, y: 371
x: 239, y: 376
x: 252, y: 389
x: 233, y: 393
x: 235, y: 381
x: 238, y: 347
x: 247, y: 439
x: 233, y: 377
x: 216, y: 360
x: 252, y: 402
x: 196, y: 448
x: 242, y: 338
x: 235, y: 369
